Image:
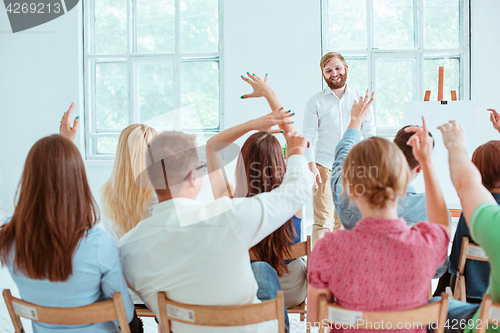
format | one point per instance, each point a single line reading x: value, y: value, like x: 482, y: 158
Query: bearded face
x: 337, y: 81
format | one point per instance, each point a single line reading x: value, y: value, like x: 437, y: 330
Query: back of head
x: 261, y: 168
x: 54, y: 210
x: 401, y: 139
x: 487, y: 159
x: 375, y: 168
x: 261, y: 165
x: 172, y: 155
x: 126, y: 195
x: 329, y: 56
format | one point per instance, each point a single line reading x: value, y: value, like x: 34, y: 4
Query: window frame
x: 418, y: 53
x: 133, y: 59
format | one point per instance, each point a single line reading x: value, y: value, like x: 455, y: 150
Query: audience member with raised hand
x: 260, y: 168
x: 392, y: 264
x: 482, y: 214
x: 222, y: 140
x: 262, y: 89
x: 477, y: 273
x: 54, y: 253
x: 198, y: 253
x: 412, y: 208
x: 495, y: 119
x: 128, y: 197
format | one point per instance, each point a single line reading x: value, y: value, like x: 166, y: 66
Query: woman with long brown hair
x: 53, y: 251
x: 260, y: 168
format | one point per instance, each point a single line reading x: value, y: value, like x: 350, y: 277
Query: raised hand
x: 453, y: 135
x: 65, y: 128
x: 277, y: 117
x: 295, y: 143
x: 260, y: 88
x: 421, y: 142
x: 495, y: 119
x: 361, y: 108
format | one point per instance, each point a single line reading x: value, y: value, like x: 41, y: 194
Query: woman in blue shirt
x: 53, y: 251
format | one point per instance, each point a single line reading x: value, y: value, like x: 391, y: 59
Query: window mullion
x: 369, y: 48
x: 421, y: 33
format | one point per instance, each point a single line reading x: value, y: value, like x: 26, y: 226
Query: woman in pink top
x: 382, y: 264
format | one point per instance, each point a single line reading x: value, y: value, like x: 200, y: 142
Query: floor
x: 6, y: 282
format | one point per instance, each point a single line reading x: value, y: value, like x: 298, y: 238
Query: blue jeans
x: 268, y: 283
x: 458, y: 312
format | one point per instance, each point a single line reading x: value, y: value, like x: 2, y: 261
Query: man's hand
x: 315, y: 171
x: 360, y: 111
x: 260, y: 88
x: 495, y: 119
x: 65, y: 129
x: 277, y: 117
x: 453, y: 135
x: 421, y: 142
x: 295, y: 143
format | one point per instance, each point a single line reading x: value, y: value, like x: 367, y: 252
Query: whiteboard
x: 466, y: 114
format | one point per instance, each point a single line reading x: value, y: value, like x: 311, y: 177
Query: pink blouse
x: 380, y: 265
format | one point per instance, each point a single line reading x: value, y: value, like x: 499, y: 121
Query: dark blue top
x: 297, y: 226
x: 477, y: 273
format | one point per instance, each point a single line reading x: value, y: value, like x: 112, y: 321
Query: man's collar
x: 328, y: 90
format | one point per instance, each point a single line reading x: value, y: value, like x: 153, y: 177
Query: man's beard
x: 337, y: 84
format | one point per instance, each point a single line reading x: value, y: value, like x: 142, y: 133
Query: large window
x: 395, y: 47
x: 151, y: 61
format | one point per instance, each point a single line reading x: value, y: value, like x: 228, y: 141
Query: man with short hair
x: 198, y: 253
x: 413, y: 208
x: 327, y: 116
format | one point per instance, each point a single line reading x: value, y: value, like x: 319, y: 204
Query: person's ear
x: 419, y: 169
x: 346, y: 68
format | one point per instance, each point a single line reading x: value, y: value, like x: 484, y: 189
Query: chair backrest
x: 83, y: 315
x: 296, y: 250
x: 235, y: 315
x: 471, y: 252
x: 416, y: 318
x: 490, y: 313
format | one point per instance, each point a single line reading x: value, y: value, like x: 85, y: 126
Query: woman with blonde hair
x: 127, y: 197
x: 382, y: 264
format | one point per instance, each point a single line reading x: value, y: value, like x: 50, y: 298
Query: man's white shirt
x: 205, y: 261
x: 327, y: 118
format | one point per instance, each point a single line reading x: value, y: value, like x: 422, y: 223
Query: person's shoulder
x: 434, y: 230
x: 353, y: 91
x: 100, y: 235
x: 318, y: 96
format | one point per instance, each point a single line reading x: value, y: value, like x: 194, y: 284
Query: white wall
x: 39, y: 78
x: 40, y: 73
x: 485, y: 63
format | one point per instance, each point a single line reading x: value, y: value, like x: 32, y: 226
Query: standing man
x: 327, y: 116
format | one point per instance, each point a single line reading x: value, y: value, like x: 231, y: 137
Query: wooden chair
x: 471, y: 252
x: 298, y: 250
x: 235, y: 315
x: 144, y: 312
x: 83, y: 315
x: 420, y: 317
x: 490, y: 313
